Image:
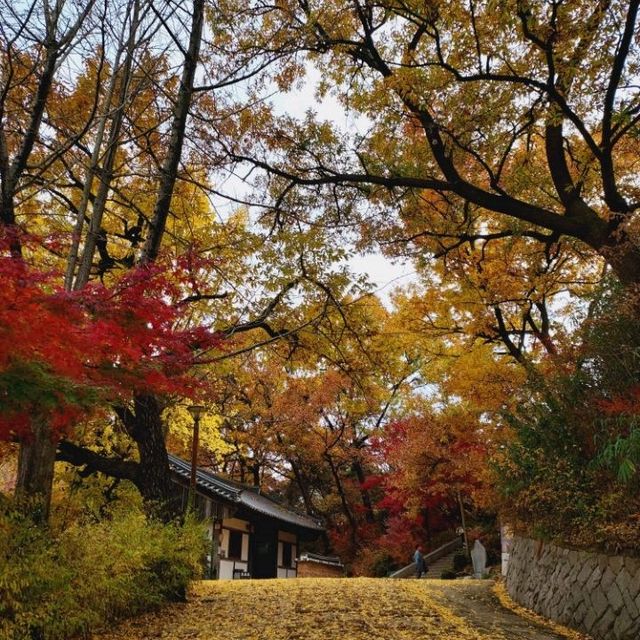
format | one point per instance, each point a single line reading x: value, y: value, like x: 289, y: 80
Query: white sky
x: 382, y: 272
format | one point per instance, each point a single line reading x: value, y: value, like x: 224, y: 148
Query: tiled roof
x: 248, y: 497
x: 205, y: 480
x: 316, y: 557
x: 258, y: 502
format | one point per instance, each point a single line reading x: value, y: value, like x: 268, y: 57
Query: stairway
x: 436, y: 568
x: 437, y: 561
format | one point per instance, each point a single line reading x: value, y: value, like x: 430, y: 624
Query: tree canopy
x: 174, y: 229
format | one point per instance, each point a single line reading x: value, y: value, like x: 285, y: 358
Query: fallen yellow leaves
x: 501, y: 593
x: 318, y: 609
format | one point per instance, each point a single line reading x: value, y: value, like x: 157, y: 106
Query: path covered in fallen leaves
x: 336, y: 609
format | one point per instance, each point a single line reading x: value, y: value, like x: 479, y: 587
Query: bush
x: 571, y: 473
x: 383, y: 566
x: 54, y: 587
x: 375, y: 562
x: 447, y: 574
x: 460, y: 561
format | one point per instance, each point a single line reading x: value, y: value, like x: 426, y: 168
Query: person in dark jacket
x: 418, y: 559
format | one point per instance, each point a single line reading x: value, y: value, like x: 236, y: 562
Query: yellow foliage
x: 332, y: 608
x: 501, y: 592
x: 180, y: 424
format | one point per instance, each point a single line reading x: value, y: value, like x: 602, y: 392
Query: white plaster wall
x: 245, y: 546
x: 227, y: 567
x: 286, y: 573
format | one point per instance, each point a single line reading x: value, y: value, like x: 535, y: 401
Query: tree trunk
x: 113, y: 141
x: 345, y: 503
x: 364, y: 493
x: 624, y: 258
x: 154, y: 478
x: 464, y: 524
x: 169, y: 170
x: 37, y: 454
x: 35, y: 473
x: 304, y: 490
x: 93, y: 167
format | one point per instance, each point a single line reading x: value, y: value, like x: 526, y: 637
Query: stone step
x: 435, y: 570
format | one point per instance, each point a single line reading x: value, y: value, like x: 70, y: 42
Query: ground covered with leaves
x: 348, y: 609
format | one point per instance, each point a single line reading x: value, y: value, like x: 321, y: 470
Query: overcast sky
x: 385, y: 274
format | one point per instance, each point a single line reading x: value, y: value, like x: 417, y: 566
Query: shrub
x: 447, y: 574
x: 460, y: 561
x: 383, y: 566
x: 54, y: 587
x: 375, y: 562
x: 572, y: 471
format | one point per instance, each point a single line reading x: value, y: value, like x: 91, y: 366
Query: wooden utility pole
x: 464, y: 524
x: 196, y: 412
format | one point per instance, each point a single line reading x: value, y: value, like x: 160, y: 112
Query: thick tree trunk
x: 151, y: 474
x: 154, y: 476
x: 624, y: 258
x: 35, y: 473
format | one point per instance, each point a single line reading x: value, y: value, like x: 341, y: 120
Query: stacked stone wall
x: 307, y: 569
x: 590, y: 592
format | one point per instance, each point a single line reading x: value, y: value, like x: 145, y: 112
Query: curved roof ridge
x: 248, y: 496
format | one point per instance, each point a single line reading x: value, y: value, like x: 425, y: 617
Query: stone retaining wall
x: 590, y: 592
x: 308, y: 569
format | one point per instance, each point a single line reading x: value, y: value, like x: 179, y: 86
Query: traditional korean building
x: 251, y: 535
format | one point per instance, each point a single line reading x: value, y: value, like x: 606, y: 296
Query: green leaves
x: 622, y: 455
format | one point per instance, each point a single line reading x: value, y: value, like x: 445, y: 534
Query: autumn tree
x: 65, y: 355
x: 36, y: 39
x: 106, y: 171
x: 300, y: 421
x: 500, y: 137
x: 95, y: 127
x: 519, y: 117
x: 570, y: 470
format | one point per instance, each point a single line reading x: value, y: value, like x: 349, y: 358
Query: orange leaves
x: 433, y: 455
x: 625, y: 402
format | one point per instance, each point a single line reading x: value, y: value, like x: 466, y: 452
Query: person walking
x: 418, y: 559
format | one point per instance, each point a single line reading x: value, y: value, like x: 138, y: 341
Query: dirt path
x: 475, y: 601
x: 335, y: 609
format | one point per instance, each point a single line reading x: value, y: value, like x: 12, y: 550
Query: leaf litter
x: 335, y: 609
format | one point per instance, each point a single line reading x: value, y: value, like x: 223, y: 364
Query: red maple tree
x: 63, y: 353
